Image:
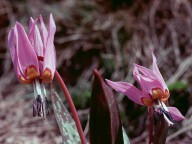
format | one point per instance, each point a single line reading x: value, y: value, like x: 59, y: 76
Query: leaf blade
x: 64, y: 120
x: 105, y: 124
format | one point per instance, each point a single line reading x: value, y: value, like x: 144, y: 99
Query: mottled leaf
x: 66, y: 123
x: 105, y: 124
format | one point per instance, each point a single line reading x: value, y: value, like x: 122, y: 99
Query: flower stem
x: 150, y: 125
x: 72, y: 107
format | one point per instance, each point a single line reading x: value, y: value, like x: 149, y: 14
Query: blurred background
x: 107, y: 35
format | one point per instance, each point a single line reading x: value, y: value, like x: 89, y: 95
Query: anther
x: 38, y: 107
x: 167, y: 114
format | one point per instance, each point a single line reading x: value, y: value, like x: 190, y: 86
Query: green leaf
x: 177, y: 86
x: 65, y: 122
x: 105, y: 124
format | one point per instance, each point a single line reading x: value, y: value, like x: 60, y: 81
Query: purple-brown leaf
x: 105, y: 123
x: 160, y: 130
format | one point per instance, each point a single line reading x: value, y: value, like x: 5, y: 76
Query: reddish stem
x: 150, y: 125
x: 72, y: 107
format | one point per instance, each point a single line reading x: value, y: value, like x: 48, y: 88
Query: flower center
x: 31, y: 72
x: 158, y: 93
x: 165, y: 96
x: 147, y: 101
x: 162, y: 109
x: 24, y: 80
x: 46, y: 76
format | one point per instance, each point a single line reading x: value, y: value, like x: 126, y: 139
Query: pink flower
x: 33, y: 55
x: 154, y: 91
x: 34, y: 58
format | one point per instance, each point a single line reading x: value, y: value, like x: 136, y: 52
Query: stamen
x: 164, y: 110
x: 39, y: 104
x: 167, y: 114
x: 38, y: 107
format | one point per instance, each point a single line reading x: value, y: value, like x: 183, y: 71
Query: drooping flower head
x: 154, y: 91
x: 33, y: 55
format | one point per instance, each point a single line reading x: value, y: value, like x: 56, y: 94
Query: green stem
x: 72, y: 107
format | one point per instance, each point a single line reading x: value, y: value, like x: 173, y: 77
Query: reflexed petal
x: 50, y: 55
x: 147, y: 83
x: 25, y: 52
x: 145, y: 71
x: 11, y: 44
x: 31, y: 22
x: 49, y: 62
x: 176, y: 114
x: 12, y: 48
x: 43, y: 30
x: 128, y: 89
x: 155, y: 69
x: 52, y: 26
x: 138, y: 79
x: 35, y: 38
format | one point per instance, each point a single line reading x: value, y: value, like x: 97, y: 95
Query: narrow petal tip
x: 52, y: 26
x: 11, y: 37
x: 31, y: 19
x: 18, y: 24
